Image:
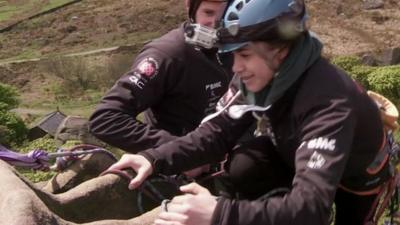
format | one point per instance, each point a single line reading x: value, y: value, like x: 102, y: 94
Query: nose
x: 237, y: 64
x: 211, y: 22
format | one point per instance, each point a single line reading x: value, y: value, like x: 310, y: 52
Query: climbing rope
x: 40, y: 159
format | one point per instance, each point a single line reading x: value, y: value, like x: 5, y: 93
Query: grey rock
x: 373, y: 4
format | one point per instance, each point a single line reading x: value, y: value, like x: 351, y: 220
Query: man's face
x: 209, y: 12
x: 256, y: 64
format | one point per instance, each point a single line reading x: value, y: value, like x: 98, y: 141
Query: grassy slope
x: 12, y: 11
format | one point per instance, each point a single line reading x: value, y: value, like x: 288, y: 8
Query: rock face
x: 99, y: 201
x: 79, y: 171
x: 76, y: 128
x: 373, y: 4
x: 386, y: 57
x: 391, y: 56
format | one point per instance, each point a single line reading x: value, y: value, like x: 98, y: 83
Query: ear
x: 282, y: 54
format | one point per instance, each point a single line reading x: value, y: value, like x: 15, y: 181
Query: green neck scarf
x: 305, y: 52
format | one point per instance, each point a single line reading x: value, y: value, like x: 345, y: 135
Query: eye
x: 209, y: 12
x: 244, y: 55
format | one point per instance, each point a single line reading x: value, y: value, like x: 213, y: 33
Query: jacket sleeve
x: 326, y: 131
x: 208, y: 143
x: 114, y: 120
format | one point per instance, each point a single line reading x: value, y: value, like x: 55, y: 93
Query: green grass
x: 9, y: 11
x: 54, y: 3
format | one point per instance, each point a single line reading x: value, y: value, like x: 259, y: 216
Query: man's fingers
x: 193, y: 188
x: 123, y: 163
x: 164, y: 222
x: 178, y: 200
x: 118, y: 166
x: 140, y: 177
x: 175, y: 216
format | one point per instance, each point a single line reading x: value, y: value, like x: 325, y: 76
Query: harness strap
x: 389, y: 188
x: 384, y: 196
x: 381, y: 158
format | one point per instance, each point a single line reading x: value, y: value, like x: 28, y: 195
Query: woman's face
x: 256, y: 63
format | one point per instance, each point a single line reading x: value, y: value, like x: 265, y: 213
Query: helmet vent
x: 239, y: 6
x: 247, y: 1
x: 233, y: 16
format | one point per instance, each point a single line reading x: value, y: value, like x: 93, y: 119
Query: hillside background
x: 98, y: 39
x: 65, y: 54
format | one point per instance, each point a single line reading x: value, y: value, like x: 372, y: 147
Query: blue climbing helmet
x: 261, y: 20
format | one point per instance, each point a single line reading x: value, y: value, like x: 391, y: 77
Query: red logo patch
x: 148, y: 67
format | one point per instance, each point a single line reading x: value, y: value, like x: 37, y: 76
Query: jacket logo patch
x: 322, y: 143
x: 316, y: 161
x: 213, y: 86
x: 148, y: 67
x: 140, y: 83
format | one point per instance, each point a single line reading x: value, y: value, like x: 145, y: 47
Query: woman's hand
x: 138, y: 163
x: 195, y: 207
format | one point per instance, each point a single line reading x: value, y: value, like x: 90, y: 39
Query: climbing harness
x: 388, y: 194
x: 387, y: 197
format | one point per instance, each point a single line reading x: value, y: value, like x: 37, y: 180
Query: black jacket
x: 326, y: 129
x: 177, y: 84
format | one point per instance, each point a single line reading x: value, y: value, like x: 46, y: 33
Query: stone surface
x: 373, y: 4
x: 99, y: 201
x: 76, y: 128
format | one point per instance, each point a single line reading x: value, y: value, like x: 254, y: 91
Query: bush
x: 8, y: 97
x: 46, y: 143
x: 360, y: 73
x: 75, y: 74
x: 12, y: 129
x: 346, y: 62
x: 386, y: 81
x: 78, y: 75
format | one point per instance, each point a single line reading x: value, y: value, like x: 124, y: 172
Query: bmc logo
x: 322, y: 143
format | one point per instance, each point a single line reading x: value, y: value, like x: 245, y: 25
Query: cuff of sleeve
x: 220, y: 211
x: 151, y: 159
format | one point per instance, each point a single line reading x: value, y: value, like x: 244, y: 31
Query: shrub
x: 360, y: 73
x: 12, y: 129
x: 346, y: 62
x: 8, y: 97
x: 386, y: 81
x: 46, y: 143
x: 75, y: 74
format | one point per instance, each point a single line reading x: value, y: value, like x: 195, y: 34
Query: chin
x: 253, y: 88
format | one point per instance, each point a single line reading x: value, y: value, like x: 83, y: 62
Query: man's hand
x: 138, y: 163
x: 195, y: 207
